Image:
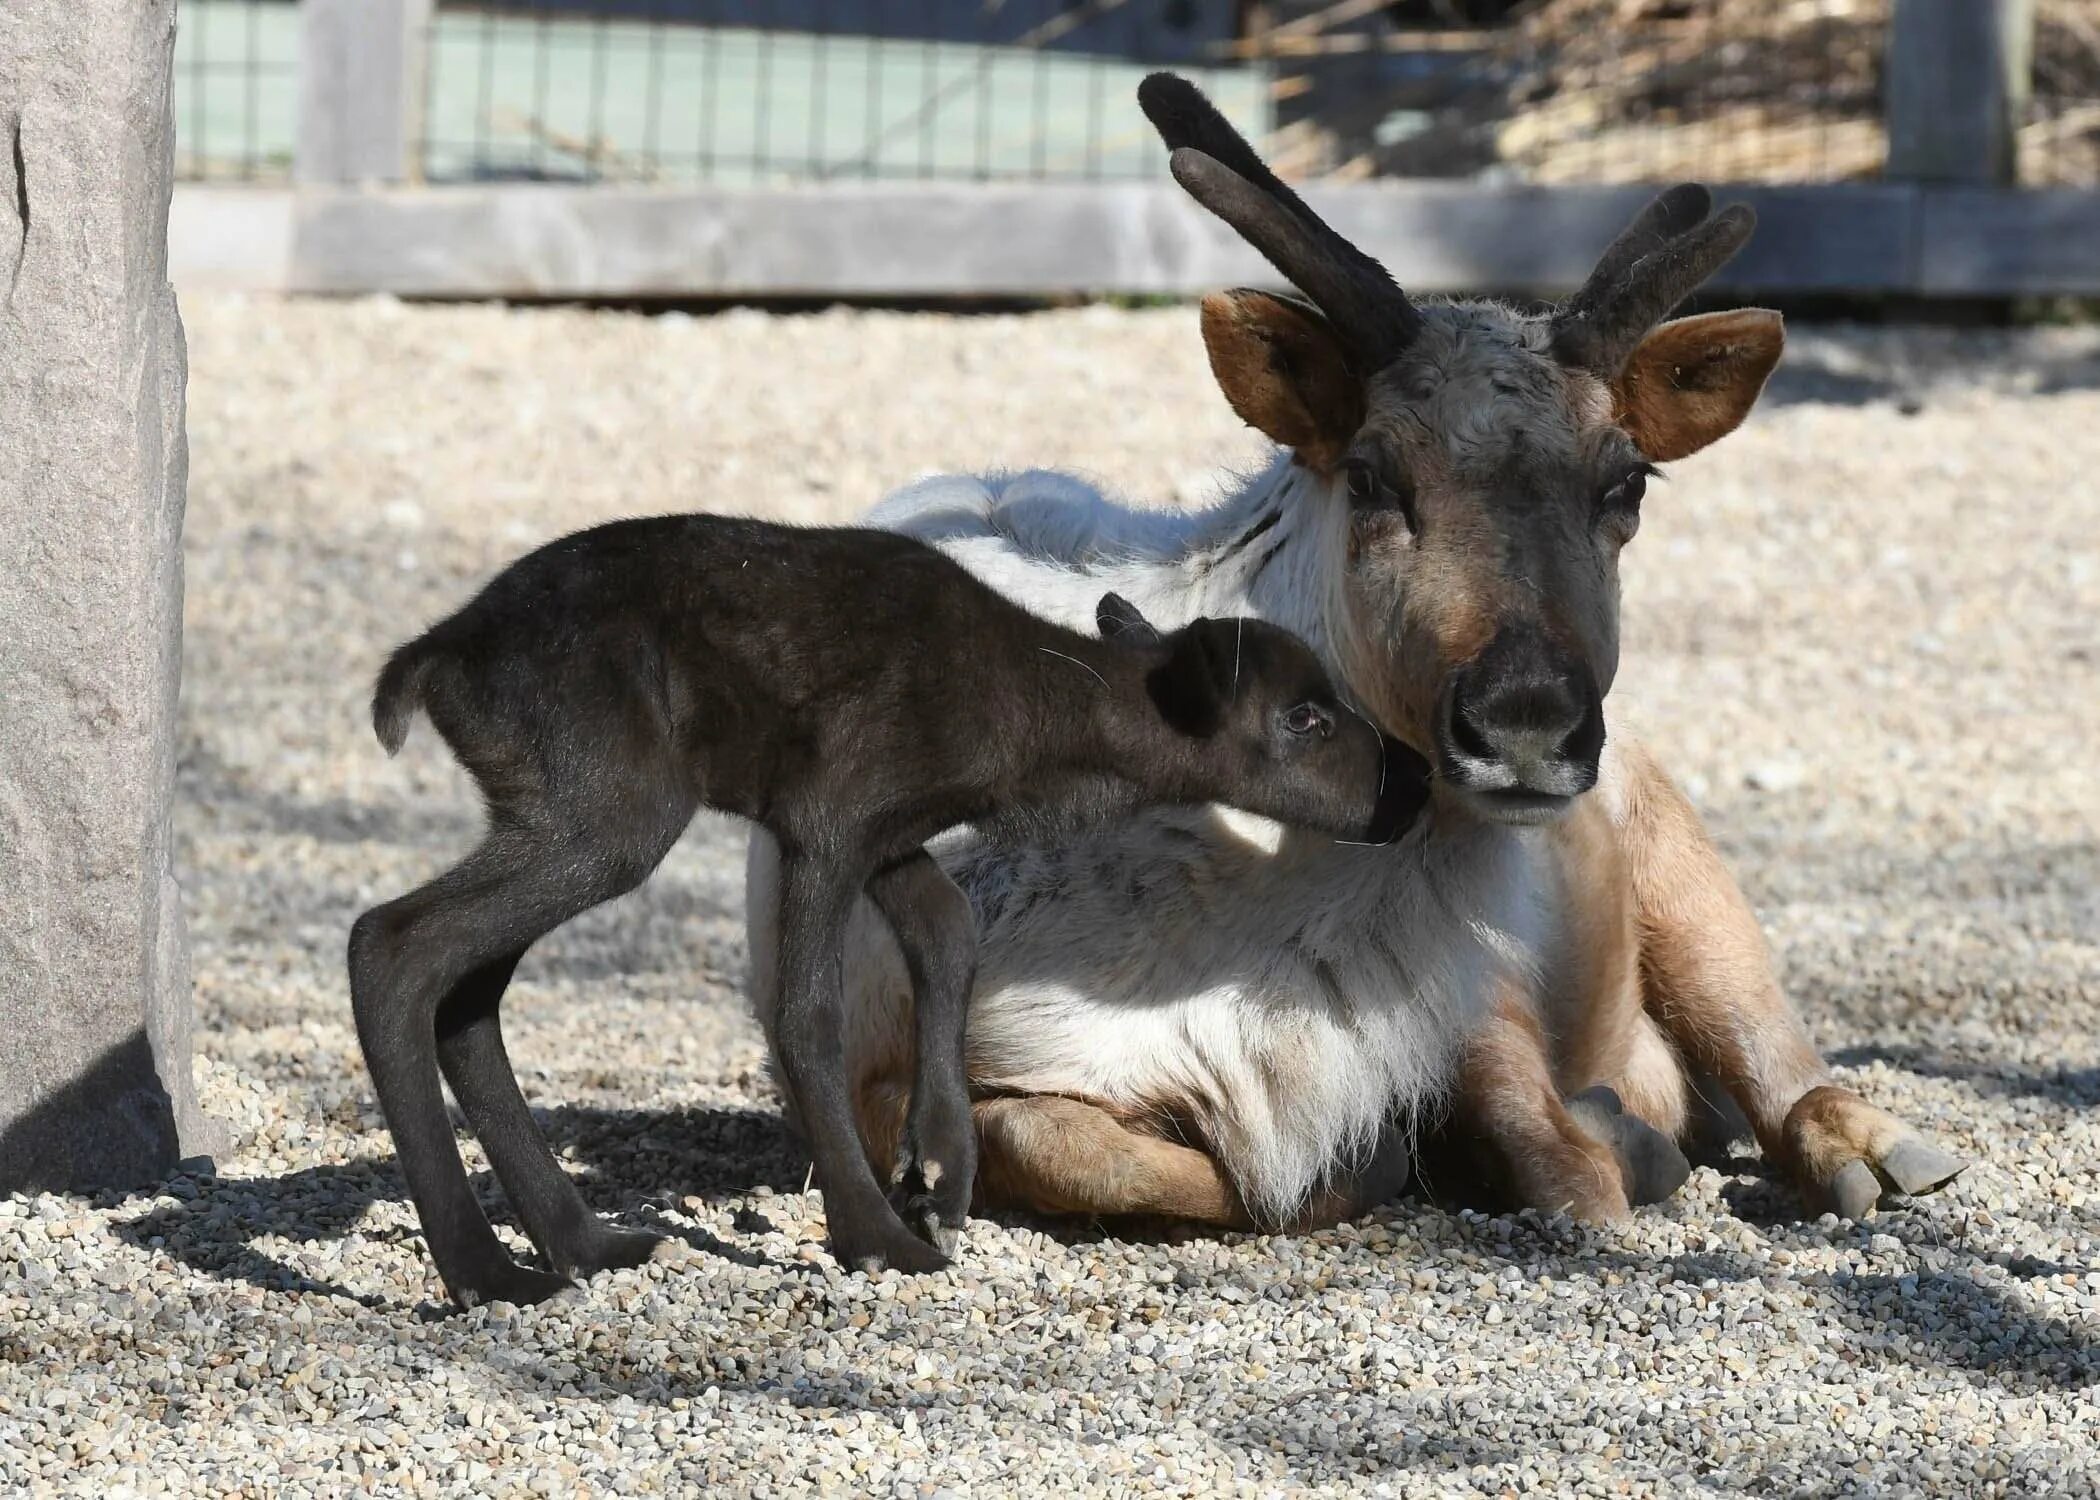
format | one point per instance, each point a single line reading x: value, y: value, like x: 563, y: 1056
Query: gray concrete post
x: 95, y: 1084
x: 361, y: 77
x: 1957, y: 81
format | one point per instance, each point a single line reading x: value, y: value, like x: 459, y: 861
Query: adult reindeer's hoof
x: 1847, y: 1156
x: 1649, y: 1160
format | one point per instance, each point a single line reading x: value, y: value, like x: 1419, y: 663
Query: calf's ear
x: 1284, y: 371
x: 1193, y: 685
x: 1118, y: 620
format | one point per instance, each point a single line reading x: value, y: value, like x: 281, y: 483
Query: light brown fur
x: 1661, y: 976
x: 1658, y: 979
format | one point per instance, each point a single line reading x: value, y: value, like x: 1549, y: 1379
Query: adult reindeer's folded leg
x: 1541, y: 1153
x: 815, y: 899
x: 1709, y: 984
x: 1055, y: 1155
x: 935, y: 1165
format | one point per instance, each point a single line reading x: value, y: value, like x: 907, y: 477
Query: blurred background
x: 1943, y: 148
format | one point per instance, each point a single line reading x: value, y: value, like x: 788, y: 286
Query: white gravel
x: 1866, y: 639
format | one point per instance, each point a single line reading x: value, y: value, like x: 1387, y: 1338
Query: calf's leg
x: 815, y: 898
x: 450, y: 941
x: 935, y: 1164
x: 470, y: 1050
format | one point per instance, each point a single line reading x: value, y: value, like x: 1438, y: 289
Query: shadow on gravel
x: 629, y: 1163
x: 1969, y: 1313
x: 235, y: 803
x: 2065, y: 1085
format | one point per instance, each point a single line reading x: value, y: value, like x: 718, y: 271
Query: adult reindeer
x: 1186, y: 1017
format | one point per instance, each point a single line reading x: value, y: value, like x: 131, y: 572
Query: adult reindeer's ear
x: 1694, y: 380
x: 1285, y: 372
x: 1192, y: 686
x: 1118, y: 620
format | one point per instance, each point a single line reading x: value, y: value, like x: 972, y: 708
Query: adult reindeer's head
x: 1491, y: 461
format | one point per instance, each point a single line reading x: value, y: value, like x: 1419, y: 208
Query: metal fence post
x: 360, y: 90
x: 1957, y: 84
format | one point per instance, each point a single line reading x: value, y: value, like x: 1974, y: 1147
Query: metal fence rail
x: 654, y: 148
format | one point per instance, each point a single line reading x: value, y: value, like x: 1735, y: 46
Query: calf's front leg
x: 935, y: 1164
x: 815, y: 899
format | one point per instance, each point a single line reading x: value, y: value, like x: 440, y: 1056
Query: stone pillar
x: 95, y: 1085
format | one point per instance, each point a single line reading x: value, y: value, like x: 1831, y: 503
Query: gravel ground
x: 1863, y: 632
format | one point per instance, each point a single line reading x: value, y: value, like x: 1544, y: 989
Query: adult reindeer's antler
x: 1656, y: 262
x: 1221, y: 171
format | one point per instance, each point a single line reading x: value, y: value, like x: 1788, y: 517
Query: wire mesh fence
x: 800, y: 91
x: 1583, y: 91
x: 2060, y: 137
x: 235, y: 85
x: 675, y: 90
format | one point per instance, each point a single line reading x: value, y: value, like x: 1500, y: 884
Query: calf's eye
x: 1304, y: 720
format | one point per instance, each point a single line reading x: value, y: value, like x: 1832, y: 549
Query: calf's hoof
x: 1847, y: 1156
x: 931, y: 1197
x: 521, y: 1286
x: 1650, y: 1162
x: 607, y: 1247
x: 889, y: 1248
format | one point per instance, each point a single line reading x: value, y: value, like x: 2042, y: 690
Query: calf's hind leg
x: 935, y: 1164
x: 448, y: 941
x: 576, y: 1242
x: 815, y: 900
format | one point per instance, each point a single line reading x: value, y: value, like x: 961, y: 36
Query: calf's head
x: 1264, y: 729
x: 1486, y: 464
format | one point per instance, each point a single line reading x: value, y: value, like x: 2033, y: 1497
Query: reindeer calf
x: 854, y: 693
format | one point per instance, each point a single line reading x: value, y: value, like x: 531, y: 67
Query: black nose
x: 1524, y: 716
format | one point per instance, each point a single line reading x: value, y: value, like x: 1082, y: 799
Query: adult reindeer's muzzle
x: 1521, y: 727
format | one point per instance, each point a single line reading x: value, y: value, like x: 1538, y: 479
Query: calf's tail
x: 399, y: 694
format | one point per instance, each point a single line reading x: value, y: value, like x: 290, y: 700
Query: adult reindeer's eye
x: 1368, y: 491
x: 1626, y: 494
x: 1305, y: 720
